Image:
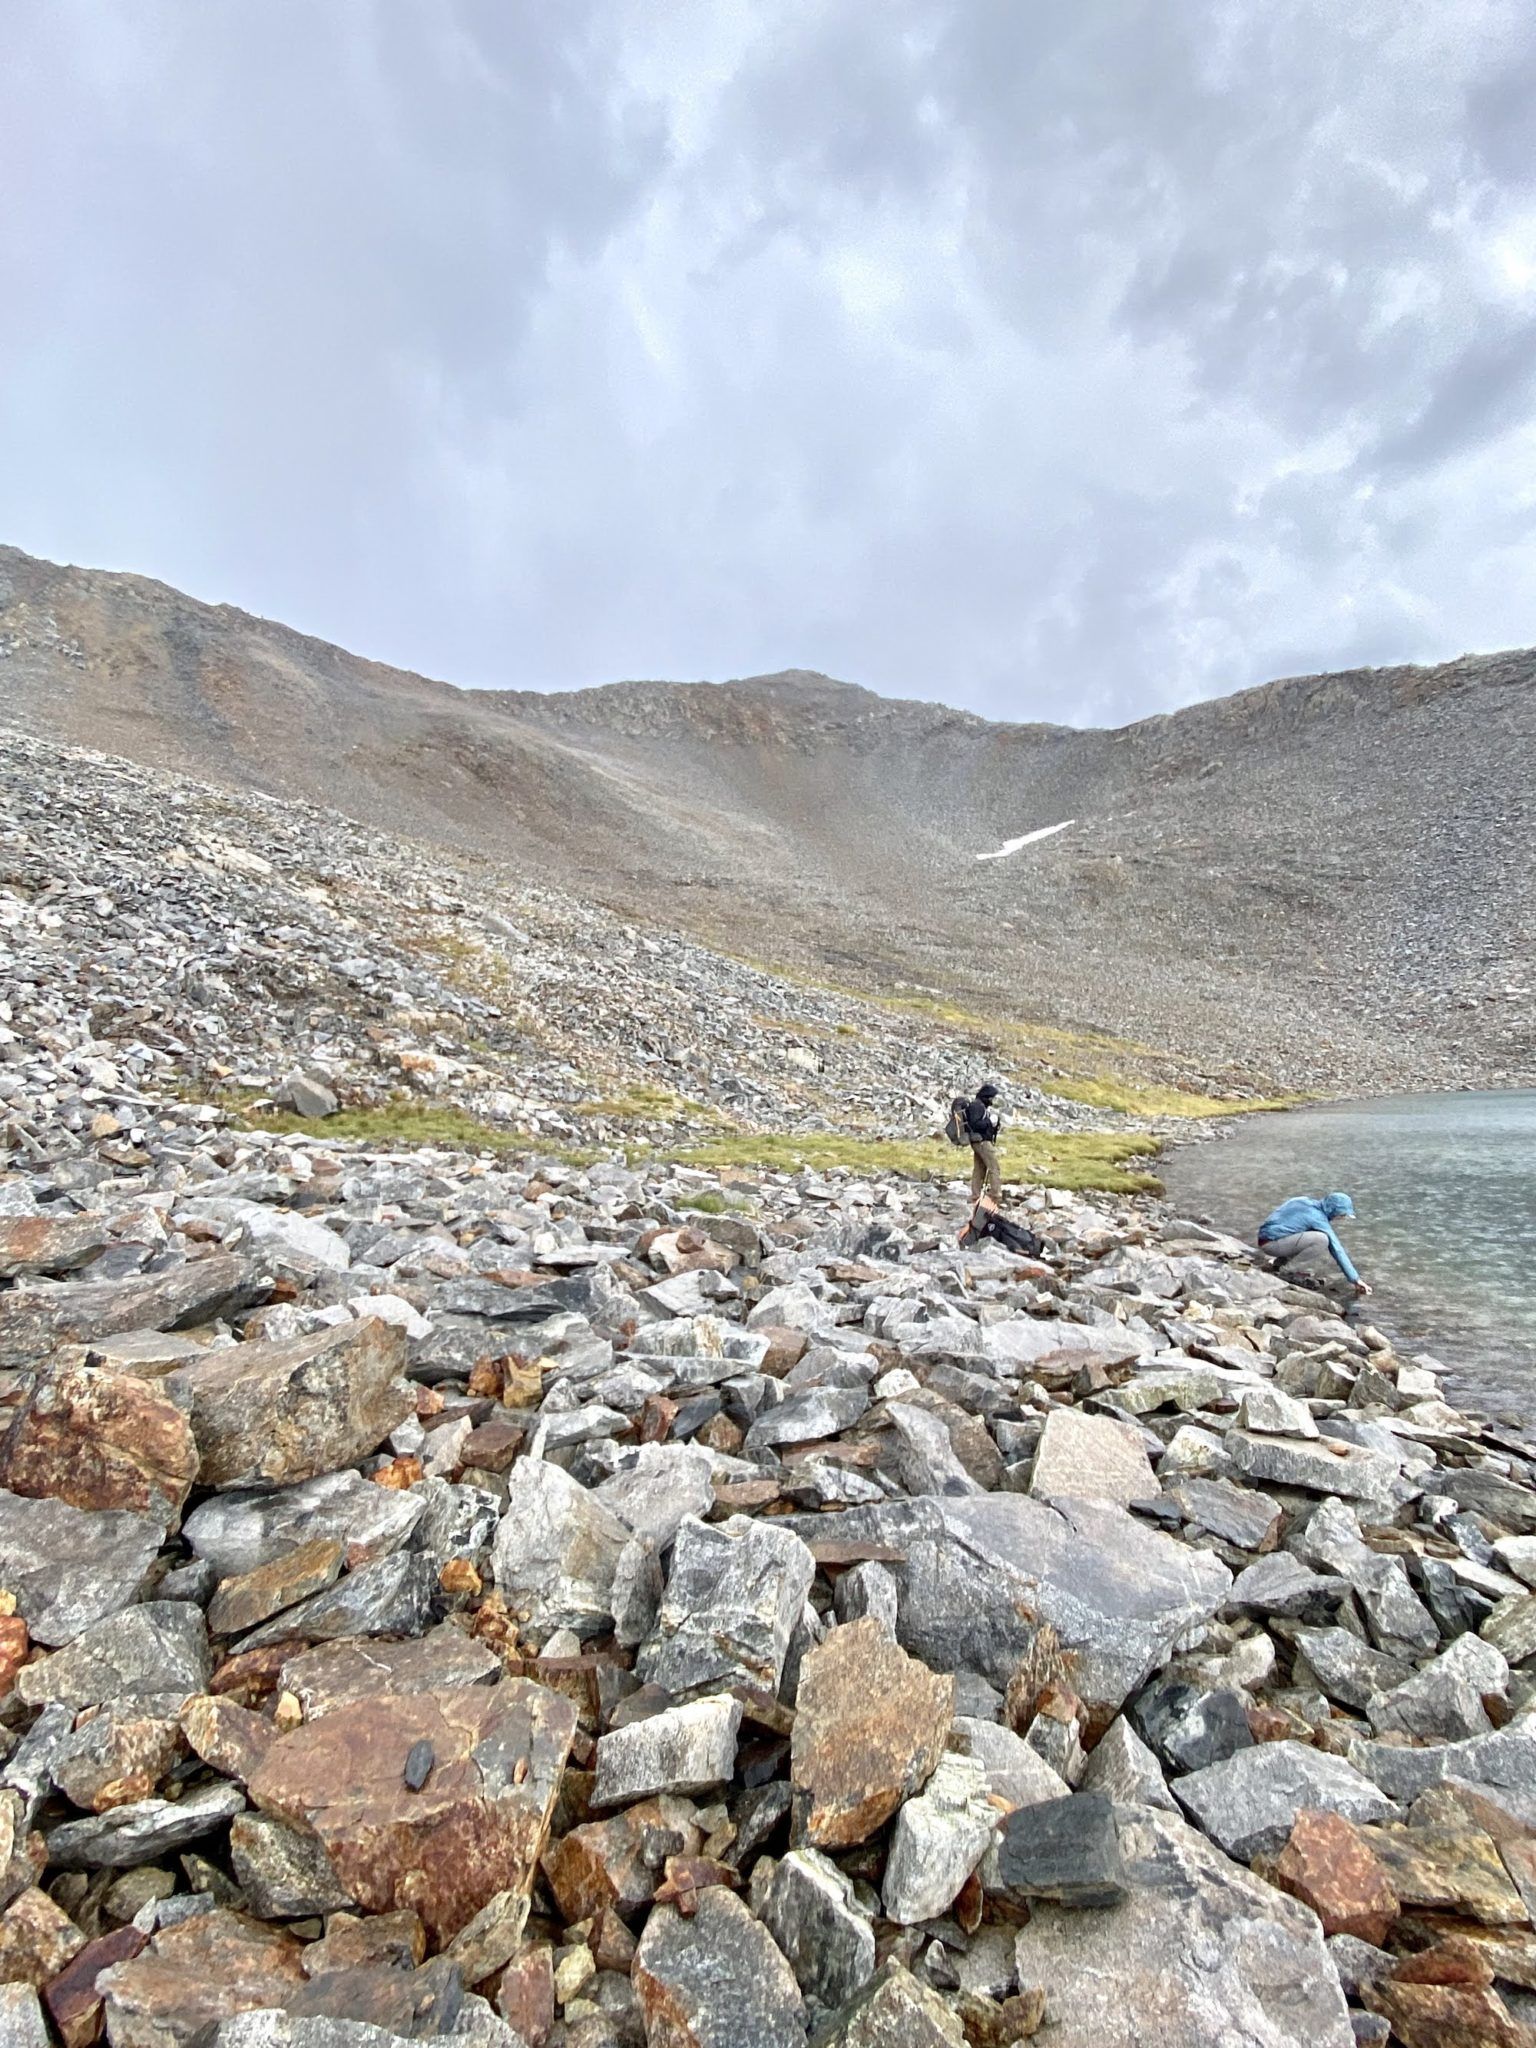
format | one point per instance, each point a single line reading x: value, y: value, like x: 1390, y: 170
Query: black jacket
x: 983, y: 1121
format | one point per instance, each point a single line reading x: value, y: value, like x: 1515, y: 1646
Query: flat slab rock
x: 475, y: 1828
x: 195, y: 1974
x: 70, y: 1568
x: 98, y: 1440
x: 239, y: 1532
x: 870, y: 1727
x: 1199, y: 1954
x: 719, y: 1980
x: 1249, y: 1802
x: 333, y: 1675
x: 275, y: 1414
x: 35, y: 1321
x: 734, y: 1594
x: 1090, y: 1457
x: 1119, y: 1594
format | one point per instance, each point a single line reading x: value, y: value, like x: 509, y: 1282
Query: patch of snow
x: 1012, y: 845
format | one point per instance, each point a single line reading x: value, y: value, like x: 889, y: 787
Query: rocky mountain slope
x: 486, y: 1601
x: 1324, y: 883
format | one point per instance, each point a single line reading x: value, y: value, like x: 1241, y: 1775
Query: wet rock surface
x: 477, y: 1595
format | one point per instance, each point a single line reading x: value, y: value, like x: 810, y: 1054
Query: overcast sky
x: 1057, y: 358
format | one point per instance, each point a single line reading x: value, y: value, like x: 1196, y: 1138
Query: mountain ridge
x: 1316, y: 882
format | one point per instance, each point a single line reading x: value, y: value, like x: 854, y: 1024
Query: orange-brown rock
x: 1444, y: 2015
x: 492, y: 1445
x: 476, y: 1827
x: 617, y: 1864
x: 119, y: 1754
x: 15, y: 1647
x: 30, y: 1245
x: 526, y: 1998
x: 1452, y: 1960
x: 870, y: 1726
x: 253, y: 1674
x: 277, y: 1413
x: 335, y: 1675
x: 612, y: 1944
x: 350, y: 1942
x: 253, y: 1597
x: 226, y: 1735
x: 98, y: 1440
x: 194, y: 1975
x: 1328, y: 1864
x: 36, y: 1940
x: 74, y: 2003
x: 786, y: 1348
x: 400, y: 1474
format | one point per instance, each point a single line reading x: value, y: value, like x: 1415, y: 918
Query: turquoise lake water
x: 1445, y: 1189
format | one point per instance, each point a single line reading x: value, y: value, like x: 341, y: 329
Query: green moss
x: 404, y: 1121
x: 710, y: 1204
x: 1061, y: 1159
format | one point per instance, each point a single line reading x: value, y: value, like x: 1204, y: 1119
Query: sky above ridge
x: 1066, y: 360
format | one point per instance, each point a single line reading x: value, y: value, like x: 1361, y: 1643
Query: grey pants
x: 985, y: 1170
x: 1301, y: 1244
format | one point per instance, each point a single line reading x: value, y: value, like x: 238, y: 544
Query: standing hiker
x: 1302, y: 1228
x: 983, y: 1126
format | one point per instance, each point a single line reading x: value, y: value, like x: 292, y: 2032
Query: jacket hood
x: 988, y: 1092
x: 1337, y: 1205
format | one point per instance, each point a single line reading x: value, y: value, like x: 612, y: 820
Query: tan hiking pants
x: 985, y: 1170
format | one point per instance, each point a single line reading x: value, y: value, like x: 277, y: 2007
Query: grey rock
x: 894, y: 2010
x: 1091, y: 1457
x: 734, y: 1596
x: 1249, y: 1803
x: 1282, y: 1584
x: 1483, y: 1492
x: 1122, y: 1767
x: 1398, y: 1620
x: 1200, y: 1954
x: 684, y: 1749
x: 1358, y: 1962
x: 1346, y: 1668
x: 718, y: 1980
x: 1190, y: 1728
x: 1322, y: 1467
x: 283, y: 1871
x: 809, y: 1908
x: 1015, y: 1773
x: 305, y: 1095
x: 556, y: 1552
x: 1239, y: 1515
x: 298, y: 1246
x: 1502, y: 1764
x: 938, y: 1840
x: 662, y: 1485
x: 1269, y: 1412
x: 1444, y: 1701
x: 235, y: 1532
x: 866, y: 1591
x: 457, y: 1521
x: 1118, y: 1594
x: 70, y: 1568
x: 21, y: 2018
x: 1065, y: 1850
x: 161, y: 1647
x: 35, y: 1321
x: 808, y: 1415
x: 924, y: 1456
x: 392, y: 1597
x: 140, y: 1832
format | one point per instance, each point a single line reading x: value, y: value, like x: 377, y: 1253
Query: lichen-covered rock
x: 100, y: 1441
x: 870, y: 1725
x: 475, y: 1827
x: 734, y: 1594
x: 717, y: 1980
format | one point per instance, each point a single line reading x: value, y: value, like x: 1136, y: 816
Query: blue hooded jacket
x: 1305, y: 1212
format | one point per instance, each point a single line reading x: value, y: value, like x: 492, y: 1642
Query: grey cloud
x: 1071, y: 360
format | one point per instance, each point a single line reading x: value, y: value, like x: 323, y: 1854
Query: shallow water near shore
x: 1445, y: 1189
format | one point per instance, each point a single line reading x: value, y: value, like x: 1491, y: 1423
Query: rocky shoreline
x: 467, y: 1597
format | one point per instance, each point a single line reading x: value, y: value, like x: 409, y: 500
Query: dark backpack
x: 1013, y: 1237
x: 957, y: 1125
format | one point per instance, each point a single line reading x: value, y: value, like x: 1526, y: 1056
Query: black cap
x: 987, y: 1090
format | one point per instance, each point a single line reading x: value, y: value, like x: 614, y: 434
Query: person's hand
x: 1362, y: 1289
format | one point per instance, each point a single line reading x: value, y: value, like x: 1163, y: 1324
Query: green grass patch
x: 1060, y: 1159
x: 401, y: 1122
x: 711, y: 1204
x: 1134, y: 1098
x: 646, y: 1103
